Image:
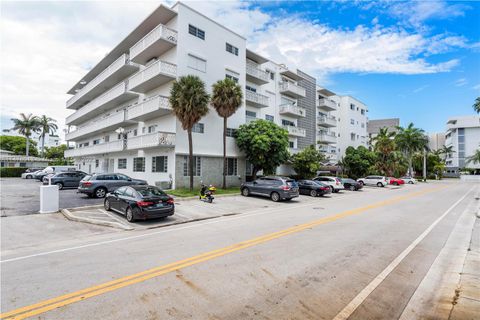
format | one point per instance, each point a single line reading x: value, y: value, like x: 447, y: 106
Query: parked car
x: 53, y: 169
x: 29, y: 174
x: 313, y: 188
x: 334, y: 183
x: 378, y: 181
x: 395, y: 181
x: 140, y: 202
x: 277, y: 188
x: 351, y: 184
x: 65, y: 179
x: 98, y: 184
x: 409, y: 180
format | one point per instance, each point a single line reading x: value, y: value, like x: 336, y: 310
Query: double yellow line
x: 60, y: 301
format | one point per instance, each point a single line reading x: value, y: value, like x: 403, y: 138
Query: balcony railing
x: 98, y: 126
x: 327, y: 121
x: 158, y: 73
x: 107, y: 147
x: 292, y: 90
x: 327, y: 137
x: 327, y: 104
x: 256, y: 99
x: 159, y: 40
x: 255, y: 74
x: 328, y: 149
x: 156, y: 139
x: 292, y: 110
x: 149, y: 107
x: 295, y: 131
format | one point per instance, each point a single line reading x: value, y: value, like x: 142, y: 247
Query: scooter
x: 206, y: 193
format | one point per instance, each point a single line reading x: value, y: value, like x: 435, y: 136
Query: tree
x: 189, y: 102
x: 46, y: 125
x: 476, y: 105
x: 226, y: 99
x: 439, y: 169
x: 432, y: 160
x: 57, y: 155
x: 26, y: 125
x: 307, y: 162
x: 358, y: 162
x: 410, y: 140
x: 475, y: 158
x: 18, y: 145
x: 265, y: 145
x: 384, y: 145
x: 446, y: 152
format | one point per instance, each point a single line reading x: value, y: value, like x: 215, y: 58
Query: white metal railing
x: 159, y: 32
x: 116, y: 65
x: 292, y: 109
x: 255, y: 71
x: 296, y: 131
x: 328, y: 149
x: 327, y: 120
x: 151, y: 71
x: 147, y: 106
x: 327, y: 136
x: 116, y: 118
x: 327, y: 103
x: 111, y: 94
x: 257, y: 98
x: 113, y: 146
x: 156, y: 139
x: 288, y: 86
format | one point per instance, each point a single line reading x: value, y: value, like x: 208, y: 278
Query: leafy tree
x: 384, y: 146
x: 226, y: 99
x: 189, y: 102
x: 18, y: 145
x: 26, y: 124
x: 410, y: 140
x: 432, y: 160
x: 307, y: 162
x: 265, y: 145
x: 475, y: 158
x: 476, y: 105
x: 358, y: 162
x: 46, y: 125
x: 57, y: 155
x: 439, y: 169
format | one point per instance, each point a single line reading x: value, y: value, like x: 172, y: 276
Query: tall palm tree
x: 475, y: 158
x: 226, y: 99
x: 410, y: 140
x: 384, y: 141
x: 189, y: 102
x: 26, y: 124
x: 47, y: 125
x: 476, y: 105
x: 446, y: 152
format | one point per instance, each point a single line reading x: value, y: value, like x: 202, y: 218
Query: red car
x: 395, y: 181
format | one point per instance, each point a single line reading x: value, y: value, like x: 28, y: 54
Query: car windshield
x: 151, y: 192
x: 87, y: 177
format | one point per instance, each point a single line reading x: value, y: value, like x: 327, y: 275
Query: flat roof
x: 256, y: 57
x: 325, y: 91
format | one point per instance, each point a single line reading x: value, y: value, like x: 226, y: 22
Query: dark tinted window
x: 276, y: 182
x: 292, y: 183
x: 151, y: 192
x: 129, y: 192
x: 101, y: 177
x: 120, y: 191
x: 122, y: 177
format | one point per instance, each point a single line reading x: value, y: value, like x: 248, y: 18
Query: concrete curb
x: 72, y: 217
x: 196, y: 197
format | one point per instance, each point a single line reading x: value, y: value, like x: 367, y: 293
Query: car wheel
x: 106, y: 205
x: 100, y: 192
x: 395, y: 183
x: 313, y: 193
x: 352, y: 188
x: 332, y: 189
x: 380, y: 184
x: 410, y: 182
x: 59, y: 185
x: 245, y: 192
x: 361, y: 182
x: 275, y: 197
x: 129, y: 215
x: 28, y: 177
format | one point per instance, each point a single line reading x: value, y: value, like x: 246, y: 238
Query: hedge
x: 9, y: 172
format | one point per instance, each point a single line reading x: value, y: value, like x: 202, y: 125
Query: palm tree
x: 476, y: 105
x: 189, y: 102
x: 446, y: 152
x: 226, y: 99
x: 475, y: 158
x: 409, y: 140
x: 47, y: 125
x: 384, y: 141
x: 26, y: 124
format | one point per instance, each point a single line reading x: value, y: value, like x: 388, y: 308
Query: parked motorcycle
x: 207, y: 192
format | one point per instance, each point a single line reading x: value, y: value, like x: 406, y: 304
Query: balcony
x: 291, y: 110
x: 328, y: 149
x: 107, y: 147
x: 153, y: 107
x: 292, y: 90
x: 151, y: 140
x: 102, y: 125
x: 117, y: 71
x: 154, y: 44
x: 153, y: 76
x: 295, y: 131
x: 327, y: 104
x: 249, y: 119
x: 327, y: 121
x: 326, y: 137
x: 113, y: 97
x: 256, y: 75
x: 256, y: 99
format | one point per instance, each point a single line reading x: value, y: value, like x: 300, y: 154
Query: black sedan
x: 351, y: 184
x: 313, y: 188
x: 140, y: 202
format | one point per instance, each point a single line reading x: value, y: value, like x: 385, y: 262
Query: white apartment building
x: 436, y: 141
x: 327, y: 124
x: 463, y: 134
x: 123, y: 122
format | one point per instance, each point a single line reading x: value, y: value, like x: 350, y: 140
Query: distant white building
x: 463, y: 134
x: 436, y: 141
x: 8, y: 159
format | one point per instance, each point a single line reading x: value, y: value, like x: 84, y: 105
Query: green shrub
x: 9, y: 172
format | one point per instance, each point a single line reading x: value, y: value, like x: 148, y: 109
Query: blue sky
x: 418, y: 60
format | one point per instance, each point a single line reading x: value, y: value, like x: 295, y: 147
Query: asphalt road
x: 306, y: 260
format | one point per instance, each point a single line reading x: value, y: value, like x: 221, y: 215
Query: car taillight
x: 324, y: 188
x: 285, y: 188
x: 144, y: 203
x: 87, y: 184
x: 170, y: 201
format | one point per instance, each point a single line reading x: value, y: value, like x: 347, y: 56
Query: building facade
x: 374, y: 126
x: 436, y: 141
x: 327, y: 125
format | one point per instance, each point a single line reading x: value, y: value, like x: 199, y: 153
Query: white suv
x: 378, y: 181
x: 333, y: 182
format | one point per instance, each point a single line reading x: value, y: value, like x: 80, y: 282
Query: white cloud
x: 419, y: 89
x: 461, y: 82
x: 476, y: 87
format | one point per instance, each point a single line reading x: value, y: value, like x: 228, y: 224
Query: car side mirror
x: 129, y: 179
x: 255, y: 182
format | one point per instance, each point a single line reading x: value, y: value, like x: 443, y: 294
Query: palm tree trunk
x: 27, y: 146
x: 43, y: 144
x: 190, y: 157
x: 224, y: 185
x: 410, y: 169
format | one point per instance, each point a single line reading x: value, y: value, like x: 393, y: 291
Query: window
x: 106, y: 138
x: 159, y: 164
x: 352, y: 121
x: 232, y: 75
x: 363, y: 125
x: 269, y: 117
x: 250, y: 88
x: 197, y: 63
x: 291, y: 144
x: 199, y: 33
x: 231, y: 166
x: 152, y: 129
x: 197, y: 166
x: 352, y: 136
x: 135, y: 132
x: 139, y: 164
x: 248, y: 168
x: 144, y: 129
x: 119, y: 136
x: 96, y: 141
x: 122, y: 177
x: 198, y: 128
x: 232, y: 49
x: 97, y: 162
x: 250, y: 114
x: 231, y: 132
x: 362, y: 111
x: 271, y: 74
x: 288, y: 123
x: 352, y: 106
x: 122, y: 163
x: 86, y: 144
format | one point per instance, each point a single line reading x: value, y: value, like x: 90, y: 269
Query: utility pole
x: 424, y: 164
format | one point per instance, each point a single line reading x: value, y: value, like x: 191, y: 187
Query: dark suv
x: 277, y: 188
x: 98, y: 184
x: 66, y: 179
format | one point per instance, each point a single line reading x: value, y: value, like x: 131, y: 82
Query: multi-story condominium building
x: 436, y: 141
x: 123, y: 122
x: 327, y: 124
x: 374, y: 126
x: 463, y: 134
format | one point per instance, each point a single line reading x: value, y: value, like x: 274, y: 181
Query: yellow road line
x: 60, y: 301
